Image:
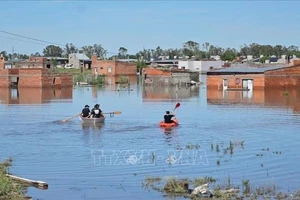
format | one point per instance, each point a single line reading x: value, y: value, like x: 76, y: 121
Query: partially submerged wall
x: 283, y: 78
x: 34, y: 77
x: 169, y: 77
x: 234, y: 81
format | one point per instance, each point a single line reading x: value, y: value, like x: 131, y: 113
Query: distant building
x: 254, y: 77
x: 112, y: 67
x: 128, y: 60
x: 32, y: 62
x: 163, y: 63
x: 200, y: 66
x: 78, y: 60
x: 58, y: 62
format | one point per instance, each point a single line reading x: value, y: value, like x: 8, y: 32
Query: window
x: 109, y: 69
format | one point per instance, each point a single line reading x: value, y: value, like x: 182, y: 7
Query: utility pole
x: 13, y: 53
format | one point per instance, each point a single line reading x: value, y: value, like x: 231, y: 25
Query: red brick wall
x: 30, y: 77
x: 124, y: 68
x: 156, y: 72
x: 284, y: 77
x: 4, y: 79
x: 2, y: 62
x: 37, y: 59
x: 117, y: 67
x: 102, y: 67
x: 216, y: 81
x: 66, y: 80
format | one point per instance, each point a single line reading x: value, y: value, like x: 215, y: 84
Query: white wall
x: 205, y: 65
x: 183, y: 64
x: 74, y: 61
x: 200, y: 66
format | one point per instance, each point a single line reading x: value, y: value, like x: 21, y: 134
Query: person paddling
x: 168, y: 117
x: 97, y: 112
x: 86, y: 111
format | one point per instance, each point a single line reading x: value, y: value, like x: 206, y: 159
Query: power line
x: 6, y: 32
x: 22, y: 40
x: 38, y: 40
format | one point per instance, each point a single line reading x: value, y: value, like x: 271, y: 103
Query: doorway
x: 247, y: 85
x: 225, y: 84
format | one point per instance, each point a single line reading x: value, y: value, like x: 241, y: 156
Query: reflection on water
x: 114, y: 80
x: 156, y: 93
x: 91, y: 126
x: 235, y: 97
x: 34, y: 95
x: 234, y: 138
x: 270, y: 98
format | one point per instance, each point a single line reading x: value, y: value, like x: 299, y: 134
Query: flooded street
x: 111, y: 161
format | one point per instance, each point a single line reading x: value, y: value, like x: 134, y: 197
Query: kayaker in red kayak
x: 168, y: 117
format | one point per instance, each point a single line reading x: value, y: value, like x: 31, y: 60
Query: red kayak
x: 163, y: 124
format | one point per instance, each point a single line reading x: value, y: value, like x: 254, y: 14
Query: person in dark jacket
x: 168, y: 117
x: 96, y: 111
x: 86, y: 111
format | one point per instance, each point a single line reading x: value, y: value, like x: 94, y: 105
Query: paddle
x: 71, y: 117
x: 177, y: 106
x: 116, y: 112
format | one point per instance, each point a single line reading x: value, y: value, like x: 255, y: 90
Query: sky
x: 147, y: 24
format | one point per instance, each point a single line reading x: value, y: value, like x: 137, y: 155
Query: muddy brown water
x: 111, y: 161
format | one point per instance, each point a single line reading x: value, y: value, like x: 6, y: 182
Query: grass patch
x: 175, y: 186
x: 10, y: 189
x: 204, y: 180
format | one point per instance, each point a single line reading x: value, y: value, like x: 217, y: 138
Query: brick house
x: 33, y: 77
x: 112, y: 67
x: 255, y: 78
x: 34, y: 95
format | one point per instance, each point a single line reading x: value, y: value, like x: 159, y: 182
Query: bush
x: 8, y: 188
x: 98, y: 80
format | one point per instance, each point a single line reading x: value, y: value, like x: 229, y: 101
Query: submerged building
x: 255, y: 77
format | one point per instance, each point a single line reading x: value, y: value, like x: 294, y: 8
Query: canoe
x: 92, y: 120
x: 163, y: 124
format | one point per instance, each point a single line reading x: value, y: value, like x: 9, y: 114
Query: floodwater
x: 111, y: 161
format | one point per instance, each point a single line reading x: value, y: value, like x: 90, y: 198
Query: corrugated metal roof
x: 57, y: 58
x: 246, y: 70
x: 82, y: 56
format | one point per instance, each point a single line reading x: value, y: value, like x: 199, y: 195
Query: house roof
x: 56, y: 58
x: 82, y: 56
x: 250, y: 70
x: 127, y: 60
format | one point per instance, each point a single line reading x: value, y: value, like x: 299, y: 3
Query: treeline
x: 190, y: 49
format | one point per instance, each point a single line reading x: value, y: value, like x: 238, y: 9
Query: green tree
x: 53, y: 51
x: 122, y: 53
x: 96, y: 49
x: 229, y: 54
x: 207, y: 45
x: 190, y: 48
x: 100, y: 51
x: 70, y: 48
x: 4, y: 54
